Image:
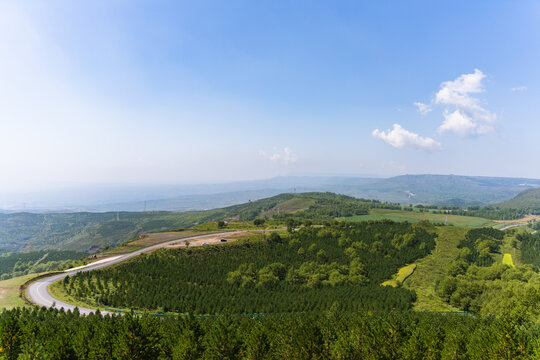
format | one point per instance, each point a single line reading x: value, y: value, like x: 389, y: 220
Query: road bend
x: 38, y: 291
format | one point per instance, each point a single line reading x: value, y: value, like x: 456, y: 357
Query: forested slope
x: 528, y: 199
x: 312, y: 269
x: 50, y: 334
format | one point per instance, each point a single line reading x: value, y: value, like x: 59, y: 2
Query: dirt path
x: 526, y: 219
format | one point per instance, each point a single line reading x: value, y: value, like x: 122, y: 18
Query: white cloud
x: 422, y: 108
x: 286, y: 157
x: 457, y: 92
x: 399, y: 137
x: 518, y: 88
x: 460, y: 123
x: 463, y: 113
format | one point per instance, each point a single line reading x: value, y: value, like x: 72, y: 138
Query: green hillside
x: 528, y: 199
x: 91, y: 231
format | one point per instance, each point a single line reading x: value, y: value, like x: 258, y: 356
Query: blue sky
x: 211, y: 91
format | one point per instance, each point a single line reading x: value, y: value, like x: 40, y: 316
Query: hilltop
x: 528, y: 199
x: 85, y: 231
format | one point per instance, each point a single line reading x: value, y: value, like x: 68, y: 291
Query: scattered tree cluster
x: 487, y: 288
x: 329, y: 206
x: 478, y: 246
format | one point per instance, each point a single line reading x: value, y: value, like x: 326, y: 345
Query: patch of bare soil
x: 525, y: 219
x: 211, y: 239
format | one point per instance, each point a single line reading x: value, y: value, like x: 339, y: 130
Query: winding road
x: 39, y: 294
x: 513, y: 226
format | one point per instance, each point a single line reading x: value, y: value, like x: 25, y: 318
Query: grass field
x: 431, y: 269
x: 507, y: 260
x: 9, y: 291
x: 401, y: 276
x: 415, y: 216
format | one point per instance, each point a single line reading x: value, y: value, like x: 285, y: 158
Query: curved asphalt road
x: 38, y: 291
x: 513, y: 226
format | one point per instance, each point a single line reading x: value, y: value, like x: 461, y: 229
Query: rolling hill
x: 528, y: 199
x: 85, y: 231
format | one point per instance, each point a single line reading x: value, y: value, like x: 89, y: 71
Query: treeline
x: 475, y: 283
x: 311, y: 269
x: 490, y: 212
x: 52, y: 334
x: 17, y: 264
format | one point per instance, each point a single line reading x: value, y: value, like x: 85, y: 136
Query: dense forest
x: 476, y: 283
x: 530, y: 247
x: 52, y: 334
x: 311, y: 269
x: 16, y: 264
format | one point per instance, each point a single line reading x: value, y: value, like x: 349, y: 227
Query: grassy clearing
x: 415, y: 216
x: 401, y: 276
x: 510, y: 247
x: 57, y: 291
x: 432, y: 269
x: 290, y: 206
x: 507, y: 260
x: 10, y: 290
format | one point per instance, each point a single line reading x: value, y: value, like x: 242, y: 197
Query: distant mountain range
x: 406, y: 189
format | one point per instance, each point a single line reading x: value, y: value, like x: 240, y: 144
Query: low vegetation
x: 507, y: 260
x: 10, y: 291
x: 401, y: 276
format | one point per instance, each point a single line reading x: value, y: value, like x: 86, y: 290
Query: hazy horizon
x: 141, y: 93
